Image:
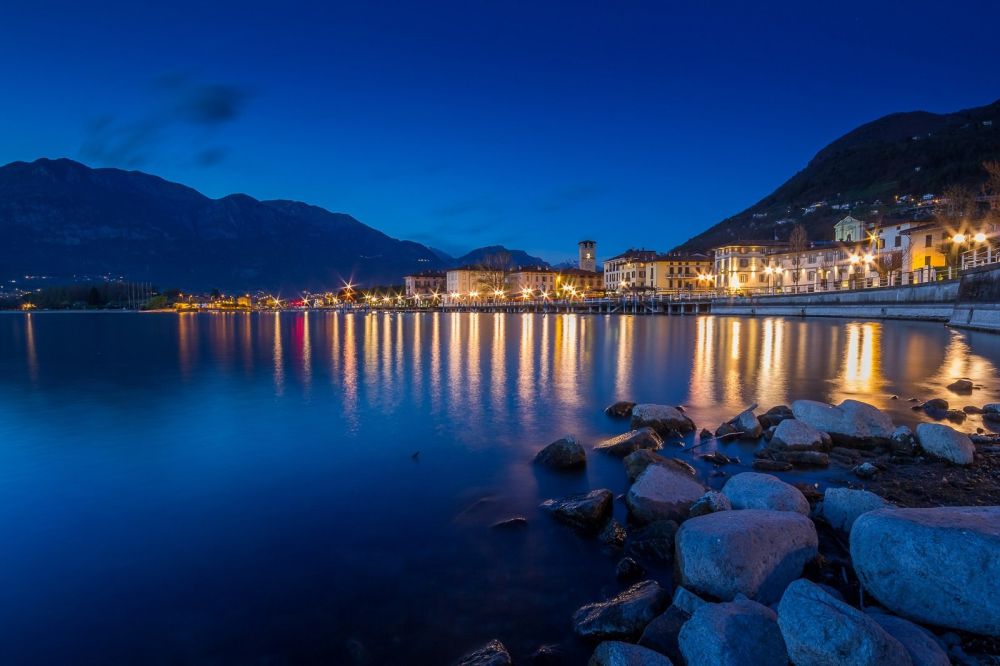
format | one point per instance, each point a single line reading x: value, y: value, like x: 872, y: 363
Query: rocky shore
x: 900, y: 565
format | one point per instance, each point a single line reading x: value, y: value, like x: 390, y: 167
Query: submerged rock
x: 710, y: 502
x: 492, y: 654
x: 803, y: 458
x: 823, y: 631
x: 851, y: 422
x: 768, y: 465
x: 752, y: 490
x: 944, y: 442
x: 664, y: 419
x: 628, y: 569
x: 617, y: 653
x: 939, y: 566
x: 842, y: 506
x: 795, y: 435
x: 922, y: 646
x: 729, y: 634
x: 588, y: 512
x: 624, y: 616
x: 514, y: 523
x: 751, y: 552
x: 624, y: 444
x: 613, y: 534
x: 866, y: 470
x: 563, y: 453
x: 960, y: 386
x: 620, y: 410
x: 662, y: 493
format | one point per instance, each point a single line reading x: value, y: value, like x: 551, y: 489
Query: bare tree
x: 798, y: 242
x: 960, y: 202
x: 888, y: 263
x: 493, y: 272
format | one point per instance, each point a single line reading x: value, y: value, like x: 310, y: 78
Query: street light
x: 980, y: 237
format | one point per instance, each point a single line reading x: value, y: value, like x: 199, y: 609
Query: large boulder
x: 945, y: 442
x: 710, y: 502
x: 636, y: 462
x: 617, y: 653
x: 923, y: 647
x: 492, y: 654
x: 664, y: 419
x: 737, y: 633
x: 588, y: 512
x: 851, y: 422
x: 565, y: 453
x: 775, y: 415
x: 747, y: 424
x: 653, y: 541
x: 624, y: 444
x: 842, y: 506
x: 662, y: 493
x: 937, y: 566
x: 624, y: 616
x: 620, y: 410
x: 662, y: 633
x: 795, y: 435
x: 820, y: 630
x: 751, y: 552
x: 753, y: 490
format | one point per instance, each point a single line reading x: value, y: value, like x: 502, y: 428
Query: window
x: 744, y: 263
x: 928, y: 241
x: 743, y: 278
x: 927, y: 260
x: 898, y: 242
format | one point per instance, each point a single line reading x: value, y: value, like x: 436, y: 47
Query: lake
x: 247, y: 488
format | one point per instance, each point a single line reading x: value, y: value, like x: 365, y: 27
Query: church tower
x: 588, y: 255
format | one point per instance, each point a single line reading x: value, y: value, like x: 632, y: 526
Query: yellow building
x: 681, y: 272
x: 535, y: 280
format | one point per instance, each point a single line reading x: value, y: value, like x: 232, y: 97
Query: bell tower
x: 588, y: 255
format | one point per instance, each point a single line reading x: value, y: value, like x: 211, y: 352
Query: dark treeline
x: 100, y: 295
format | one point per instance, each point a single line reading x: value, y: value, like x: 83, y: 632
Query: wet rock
x: 866, y: 470
x: 922, y: 646
x: 803, y: 458
x: 752, y: 490
x: 751, y: 552
x: 687, y: 600
x: 775, y: 415
x: 717, y: 458
x: 624, y: 616
x: 903, y: 442
x: 680, y: 466
x: 664, y: 419
x: 705, y: 434
x: 767, y: 465
x: 710, y: 502
x: 588, y: 512
x: 944, y: 442
x: 620, y: 410
x: 624, y: 444
x: 492, y: 654
x: 960, y: 386
x: 935, y: 405
x: 956, y: 416
x: 842, y: 506
x: 726, y: 430
x: 617, y: 653
x: 820, y: 630
x: 613, y: 534
x: 937, y: 566
x: 738, y: 632
x: 972, y: 409
x: 661, y: 634
x: 851, y: 422
x: 628, y: 569
x: 514, y: 523
x: 563, y: 453
x: 637, y: 462
x: 747, y: 425
x: 547, y: 655
x: 654, y: 541
x: 662, y: 493
x: 795, y: 435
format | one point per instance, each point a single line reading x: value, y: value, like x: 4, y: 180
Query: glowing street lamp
x: 980, y: 237
x: 959, y: 238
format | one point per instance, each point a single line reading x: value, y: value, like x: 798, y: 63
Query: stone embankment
x: 767, y: 572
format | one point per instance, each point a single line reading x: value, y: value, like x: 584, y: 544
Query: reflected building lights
x: 31, y: 351
x: 279, y: 357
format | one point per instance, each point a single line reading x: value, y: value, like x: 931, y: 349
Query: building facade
x: 425, y: 283
x: 629, y: 271
x: 588, y: 256
x: 580, y: 281
x: 537, y: 281
x: 676, y: 273
x: 472, y: 281
x: 741, y: 266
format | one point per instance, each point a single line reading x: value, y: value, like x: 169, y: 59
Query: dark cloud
x: 178, y: 102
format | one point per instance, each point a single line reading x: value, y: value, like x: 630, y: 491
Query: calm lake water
x: 240, y: 488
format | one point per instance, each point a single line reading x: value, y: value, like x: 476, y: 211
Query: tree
x: 798, y: 242
x: 992, y: 186
x: 94, y: 299
x: 493, y: 272
x: 960, y: 202
x: 888, y: 263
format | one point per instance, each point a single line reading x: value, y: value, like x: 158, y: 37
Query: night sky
x: 531, y: 124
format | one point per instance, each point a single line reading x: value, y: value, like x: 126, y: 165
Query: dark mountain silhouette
x: 477, y: 256
x: 63, y: 219
x: 863, y: 171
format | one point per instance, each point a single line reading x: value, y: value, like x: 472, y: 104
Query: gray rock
x: 767, y: 465
x: 661, y: 634
x: 747, y: 425
x: 492, y: 654
x: 616, y: 653
x: 687, y: 600
x: 822, y: 631
x: 738, y: 633
x: 803, y: 458
x: 935, y: 405
x: 563, y: 453
x: 654, y: 541
x: 637, y: 462
x: 588, y: 512
x: 753, y: 552
x: 664, y: 419
x: 795, y: 435
x: 624, y: 444
x: 613, y: 534
x: 624, y: 616
x: 842, y: 506
x: 866, y: 470
x: 710, y: 502
x: 944, y: 442
x: 753, y: 490
x: 992, y: 408
x: 960, y: 386
x: 662, y: 493
x: 851, y: 422
x: 937, y: 566
x: 775, y: 415
x: 922, y: 646
x: 620, y: 410
x: 902, y: 441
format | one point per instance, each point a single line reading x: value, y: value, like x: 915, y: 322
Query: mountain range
x: 863, y: 172
x: 63, y: 219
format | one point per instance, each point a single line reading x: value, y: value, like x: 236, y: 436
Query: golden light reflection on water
x: 861, y: 370
x: 279, y: 357
x: 187, y: 342
x: 30, y: 350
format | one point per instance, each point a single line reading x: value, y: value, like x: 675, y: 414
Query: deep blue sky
x: 465, y: 123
